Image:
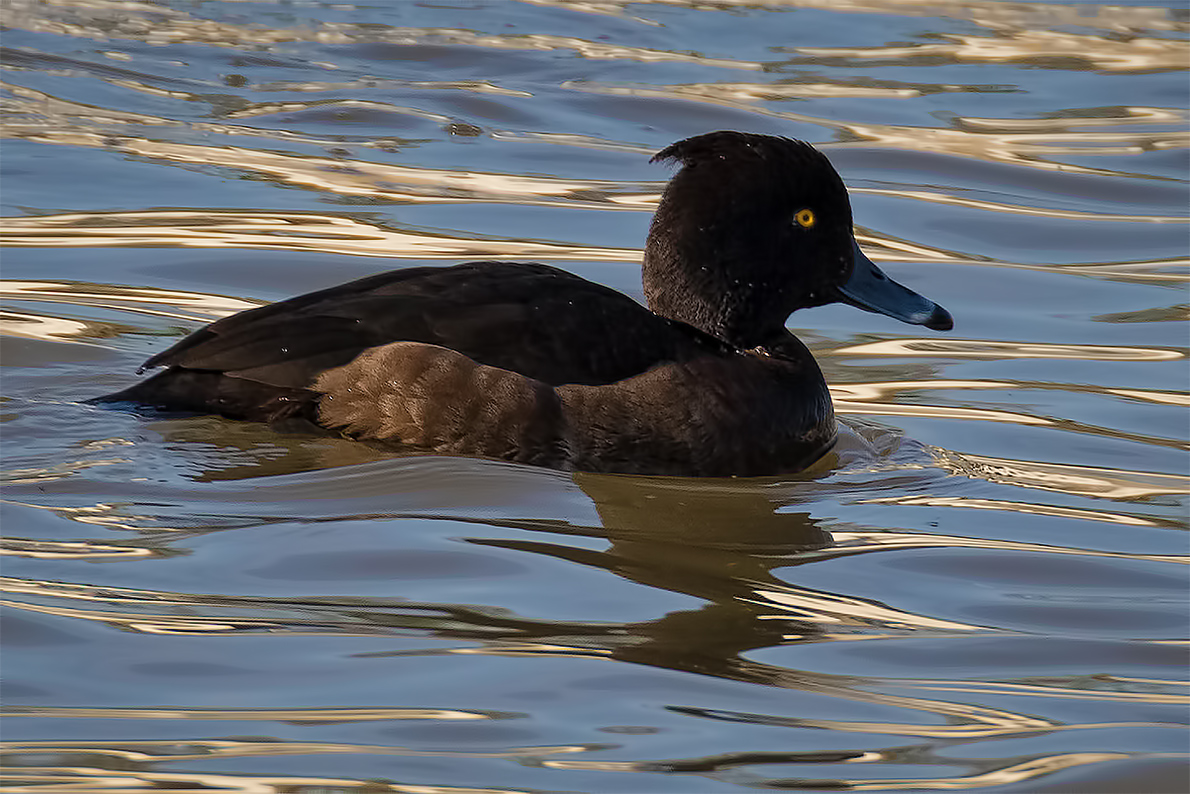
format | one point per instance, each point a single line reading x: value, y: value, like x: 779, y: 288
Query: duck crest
x: 742, y: 146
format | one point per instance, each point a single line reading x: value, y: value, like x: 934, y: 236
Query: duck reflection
x: 717, y: 541
x: 726, y: 542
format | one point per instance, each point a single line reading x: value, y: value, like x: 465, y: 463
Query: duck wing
x: 532, y: 319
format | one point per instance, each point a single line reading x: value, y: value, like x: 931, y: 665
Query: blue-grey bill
x: 869, y: 289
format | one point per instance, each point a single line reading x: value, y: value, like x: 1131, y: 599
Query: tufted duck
x: 529, y: 363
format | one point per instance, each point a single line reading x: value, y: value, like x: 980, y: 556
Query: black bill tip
x: 869, y: 289
x: 939, y: 320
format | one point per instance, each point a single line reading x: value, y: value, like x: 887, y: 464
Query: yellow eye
x: 806, y: 219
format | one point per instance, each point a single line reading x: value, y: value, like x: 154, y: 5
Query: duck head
x: 754, y: 227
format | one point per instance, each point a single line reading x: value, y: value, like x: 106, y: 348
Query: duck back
x: 538, y: 321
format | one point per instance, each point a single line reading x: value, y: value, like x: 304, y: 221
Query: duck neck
x: 696, y: 284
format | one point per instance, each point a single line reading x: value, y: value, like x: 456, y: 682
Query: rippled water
x: 983, y: 588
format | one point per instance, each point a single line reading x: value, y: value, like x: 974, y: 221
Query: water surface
x: 983, y: 588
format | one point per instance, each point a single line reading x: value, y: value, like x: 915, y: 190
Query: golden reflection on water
x: 1000, y: 350
x: 38, y: 116
x: 1065, y: 121
x: 993, y: 15
x: 880, y: 398
x: 34, y: 326
x: 1029, y: 150
x: 1052, y: 691
x: 883, y: 246
x: 1034, y: 47
x: 338, y: 234
x: 740, y: 94
x: 1027, y: 508
x: 78, y: 18
x: 316, y: 86
x: 1149, y: 395
x: 959, y: 721
x: 212, y: 748
x: 34, y: 759
x: 54, y: 121
x: 1092, y: 481
x: 1035, y: 149
x: 1014, y: 773
x: 962, y: 720
x: 176, y: 304
x: 1002, y: 772
x: 70, y: 550
x: 390, y: 182
x: 968, y: 722
x: 188, y: 625
x: 58, y: 471
x: 857, y: 542
x: 176, y: 613
x: 307, y: 716
x: 939, y: 197
x: 68, y: 780
x: 988, y: 13
x: 937, y: 412
x: 103, y: 514
x: 879, y: 391
x: 856, y: 407
x: 292, y: 231
x: 835, y: 611
x: 297, y: 621
x: 730, y: 767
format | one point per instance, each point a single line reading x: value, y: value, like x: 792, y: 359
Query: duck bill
x: 869, y: 289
